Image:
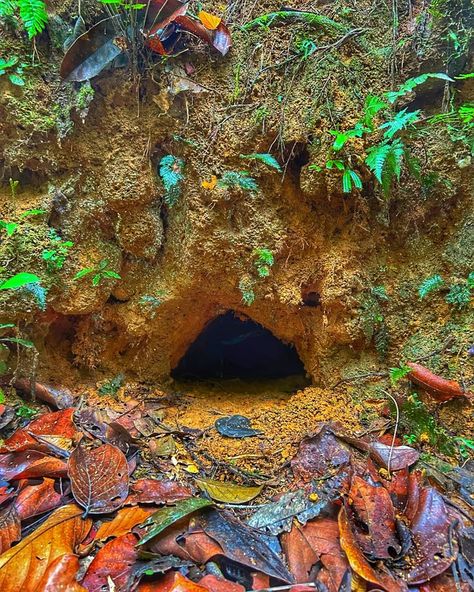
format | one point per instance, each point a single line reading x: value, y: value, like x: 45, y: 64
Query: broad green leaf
x: 228, y: 493
x: 19, y: 280
x: 346, y: 182
x: 2, y: 394
x: 96, y: 280
x: 461, y: 76
x: 16, y: 80
x: 83, y: 272
x: 111, y: 274
x: 412, y: 83
x: 167, y: 516
x: 32, y: 213
x: 330, y: 164
x: 9, y: 227
x: 355, y: 179
x: 7, y: 326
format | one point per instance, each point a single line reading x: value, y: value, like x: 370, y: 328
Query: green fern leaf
x: 430, y: 285
x: 373, y: 105
x: 385, y: 161
x: 401, y: 121
x: 33, y: 15
x: 412, y: 83
x: 266, y: 158
x: 346, y: 182
x: 396, y: 374
x: 7, y: 7
x: 240, y: 179
x: 310, y: 18
x: 376, y: 157
x: 171, y: 173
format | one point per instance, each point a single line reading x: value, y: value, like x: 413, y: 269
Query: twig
x: 397, y: 420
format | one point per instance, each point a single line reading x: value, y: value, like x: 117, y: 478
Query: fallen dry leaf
x: 393, y: 459
x: 23, y: 566
x: 210, y: 185
x: 383, y: 579
x: 153, y: 491
x: 373, y: 517
x: 99, y: 478
x: 210, y: 21
x: 439, y: 388
x: 61, y: 398
x: 229, y: 493
x: 126, y: 519
x: 61, y: 576
x: 10, y: 528
x: 37, y: 499
x: 30, y: 464
x: 115, y: 561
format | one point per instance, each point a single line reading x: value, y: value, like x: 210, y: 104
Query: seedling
x: 13, y: 69
x: 264, y: 260
x: 99, y: 273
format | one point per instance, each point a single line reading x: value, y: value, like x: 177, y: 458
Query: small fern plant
x: 263, y: 261
x: 32, y: 14
x: 240, y: 179
x: 431, y: 284
x: 171, y: 173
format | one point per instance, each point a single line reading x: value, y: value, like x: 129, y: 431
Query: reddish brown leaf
x: 166, y: 543
x: 215, y: 584
x: 444, y: 583
x: 114, y: 560
x: 30, y: 464
x: 58, y: 423
x: 61, y: 576
x: 124, y: 522
x: 152, y: 491
x: 372, y: 507
x: 24, y: 565
x: 37, y: 499
x: 383, y: 579
x: 60, y: 398
x: 201, y: 547
x: 439, y: 388
x: 399, y: 457
x: 430, y: 554
x: 10, y: 528
x: 162, y: 12
x: 99, y: 478
x: 414, y: 490
x: 219, y: 38
x: 320, y: 455
x: 6, y: 492
x: 318, y: 541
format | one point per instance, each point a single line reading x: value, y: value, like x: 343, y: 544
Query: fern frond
x: 7, y: 7
x: 373, y: 105
x: 430, y: 285
x: 311, y: 18
x: 33, y: 15
x: 171, y: 174
x: 266, y: 158
x: 240, y: 179
x: 385, y: 161
x: 376, y: 157
x: 412, y: 83
x: 401, y: 121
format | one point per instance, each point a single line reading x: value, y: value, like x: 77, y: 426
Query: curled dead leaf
x: 229, y: 493
x: 210, y: 21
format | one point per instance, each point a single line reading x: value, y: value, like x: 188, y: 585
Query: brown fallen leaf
x: 393, y: 459
x: 153, y: 491
x: 30, y: 464
x: 61, y: 576
x: 383, y: 579
x: 439, y: 388
x: 33, y: 500
x: 229, y: 493
x: 373, y: 517
x: 126, y: 519
x: 57, y: 397
x: 99, y: 478
x: 23, y: 566
x: 115, y: 561
x: 10, y: 528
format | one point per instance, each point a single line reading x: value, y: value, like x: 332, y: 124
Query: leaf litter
x: 351, y: 509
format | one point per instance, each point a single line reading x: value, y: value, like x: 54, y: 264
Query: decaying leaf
x: 10, y: 528
x: 23, y: 566
x: 115, y: 562
x: 210, y: 185
x: 61, y: 576
x: 61, y: 398
x: 164, y: 517
x: 153, y: 491
x: 229, y: 493
x: 393, y: 458
x: 235, y: 426
x: 210, y: 21
x: 92, y: 51
x: 216, y: 584
x: 99, y: 478
x: 439, y: 388
x: 33, y: 500
x: 124, y: 522
x: 30, y: 464
x: 219, y: 38
x: 382, y: 578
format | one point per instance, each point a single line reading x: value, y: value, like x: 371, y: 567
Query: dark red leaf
x: 37, y: 499
x: 372, y: 508
x: 320, y: 455
x: 30, y: 464
x: 10, y: 528
x: 57, y: 397
x: 398, y: 457
x: 114, y: 560
x: 439, y: 388
x: 430, y: 555
x: 162, y: 12
x: 215, y: 584
x: 218, y: 38
x: 58, y: 423
x: 99, y: 478
x: 61, y: 576
x: 152, y: 491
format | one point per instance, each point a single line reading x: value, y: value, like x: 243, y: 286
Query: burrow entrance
x: 235, y: 347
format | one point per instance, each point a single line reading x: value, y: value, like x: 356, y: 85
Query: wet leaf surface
x: 124, y: 522
x: 153, y: 491
x: 439, y: 388
x: 394, y: 459
x: 229, y: 493
x: 61, y: 575
x: 235, y: 426
x: 115, y: 561
x: 33, y: 500
x: 23, y: 566
x: 30, y: 464
x: 99, y: 478
x: 10, y: 528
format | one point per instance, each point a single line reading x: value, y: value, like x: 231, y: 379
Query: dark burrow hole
x: 232, y: 347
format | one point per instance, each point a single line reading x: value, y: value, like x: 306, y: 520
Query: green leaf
x: 164, y: 517
x: 385, y: 161
x: 396, y: 374
x: 228, y: 493
x: 16, y: 80
x: 355, y: 179
x: 83, y: 272
x: 401, y: 121
x: 346, y: 182
x: 33, y: 212
x: 266, y: 158
x: 330, y: 164
x: 465, y: 76
x: 34, y: 16
x: 310, y: 18
x: 19, y: 280
x: 412, y: 83
x: 7, y: 326
x: 2, y: 396
x: 111, y: 274
x: 9, y: 227
x: 24, y: 342
x: 96, y: 279
x: 7, y: 8
x: 373, y: 105
x: 430, y: 285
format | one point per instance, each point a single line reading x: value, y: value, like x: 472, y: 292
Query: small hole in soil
x: 231, y: 347
x: 311, y: 298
